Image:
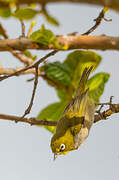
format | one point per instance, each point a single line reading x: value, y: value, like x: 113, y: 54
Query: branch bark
x: 105, y: 114
x: 19, y: 55
x: 9, y: 71
x: 111, y: 3
x: 31, y: 121
x: 72, y: 42
x: 34, y: 121
x: 26, y: 60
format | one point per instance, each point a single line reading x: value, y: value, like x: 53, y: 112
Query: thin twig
x: 27, y: 111
x: 9, y: 71
x: 98, y: 21
x: 26, y: 60
x: 20, y: 56
x: 107, y: 113
x: 44, y: 58
x: 31, y: 121
x: 22, y: 28
x: 29, y: 67
x: 3, y: 32
x: 36, y: 66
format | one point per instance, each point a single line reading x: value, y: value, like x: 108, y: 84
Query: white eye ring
x: 62, y: 147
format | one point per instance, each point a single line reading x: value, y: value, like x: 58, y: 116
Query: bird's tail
x: 77, y: 106
x: 82, y: 84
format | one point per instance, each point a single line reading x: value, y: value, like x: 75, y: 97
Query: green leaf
x: 51, y: 20
x: 62, y: 94
x: 43, y: 36
x: 5, y: 12
x: 68, y: 74
x: 25, y: 13
x: 96, y: 85
x: 46, y: 37
x: 78, y: 60
x: 52, y: 112
x: 58, y: 72
x: 82, y: 57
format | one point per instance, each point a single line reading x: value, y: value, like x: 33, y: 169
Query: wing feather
x: 77, y: 106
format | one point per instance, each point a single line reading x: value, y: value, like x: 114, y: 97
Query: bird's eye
x: 62, y: 147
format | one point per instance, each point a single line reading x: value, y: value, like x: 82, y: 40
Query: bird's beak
x: 55, y: 155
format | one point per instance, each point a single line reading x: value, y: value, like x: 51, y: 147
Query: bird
x: 74, y: 125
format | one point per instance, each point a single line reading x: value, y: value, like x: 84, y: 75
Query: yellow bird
x: 74, y: 125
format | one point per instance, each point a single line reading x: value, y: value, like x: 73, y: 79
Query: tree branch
x: 72, y: 42
x: 26, y: 60
x: 105, y: 114
x: 111, y: 3
x: 19, y: 55
x: 27, y: 111
x: 98, y: 21
x: 35, y: 65
x: 22, y: 28
x: 9, y: 71
x: 33, y: 121
x: 22, y: 70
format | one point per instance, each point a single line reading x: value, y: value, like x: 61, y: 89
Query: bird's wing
x: 83, y: 81
x: 74, y: 113
x: 77, y: 106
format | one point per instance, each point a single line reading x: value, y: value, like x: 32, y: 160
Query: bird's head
x: 62, y: 145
